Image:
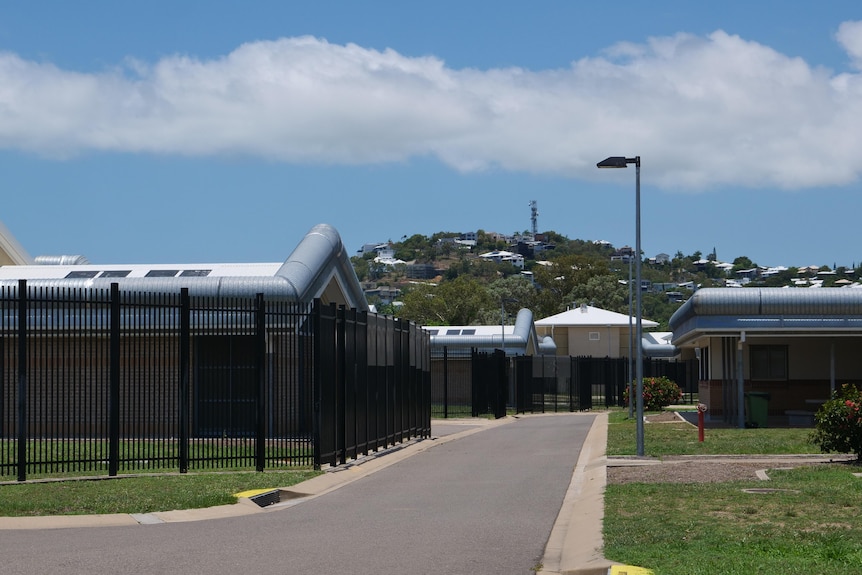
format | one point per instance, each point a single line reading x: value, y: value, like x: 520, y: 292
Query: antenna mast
x: 534, y: 217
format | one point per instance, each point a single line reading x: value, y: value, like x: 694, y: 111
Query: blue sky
x: 221, y: 131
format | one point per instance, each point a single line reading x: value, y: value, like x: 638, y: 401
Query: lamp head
x: 618, y: 162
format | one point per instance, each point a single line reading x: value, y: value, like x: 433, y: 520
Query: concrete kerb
x: 331, y: 479
x: 576, y: 543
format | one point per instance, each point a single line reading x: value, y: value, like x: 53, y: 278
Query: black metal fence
x: 103, y: 381
x: 373, y: 384
x: 463, y: 384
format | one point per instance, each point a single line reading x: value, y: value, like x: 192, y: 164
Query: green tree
x: 507, y: 296
x: 742, y: 263
x: 456, y: 302
x: 604, y: 291
x: 361, y: 267
x: 658, y: 308
x: 558, y: 279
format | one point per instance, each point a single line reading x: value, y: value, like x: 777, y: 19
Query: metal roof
x: 587, y: 315
x: 518, y: 338
x: 317, y: 267
x: 774, y: 310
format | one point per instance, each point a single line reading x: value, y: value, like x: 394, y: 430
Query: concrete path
x: 481, y: 497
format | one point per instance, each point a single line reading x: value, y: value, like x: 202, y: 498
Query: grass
x: 138, y: 494
x: 681, y: 439
x: 810, y: 525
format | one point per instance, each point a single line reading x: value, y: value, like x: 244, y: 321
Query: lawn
x: 682, y: 439
x: 138, y: 494
x: 808, y: 525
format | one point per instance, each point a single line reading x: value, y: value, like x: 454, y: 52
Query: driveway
x: 482, y: 503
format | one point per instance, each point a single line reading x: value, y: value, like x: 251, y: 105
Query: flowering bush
x: 659, y: 392
x: 838, y: 423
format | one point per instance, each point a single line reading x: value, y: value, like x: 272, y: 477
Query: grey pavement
x: 517, y: 495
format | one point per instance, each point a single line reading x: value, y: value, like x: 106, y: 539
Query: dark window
x: 432, y: 331
x: 161, y: 273
x: 768, y: 362
x: 187, y: 273
x: 468, y: 332
x: 115, y: 274
x: 81, y: 274
x: 453, y: 331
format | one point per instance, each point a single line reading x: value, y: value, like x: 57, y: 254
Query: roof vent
x: 584, y: 308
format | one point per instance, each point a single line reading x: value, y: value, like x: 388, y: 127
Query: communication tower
x: 534, y: 217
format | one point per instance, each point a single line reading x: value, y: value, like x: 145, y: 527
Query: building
x: 518, y: 339
x: 186, y: 355
x: 11, y: 252
x: 317, y: 268
x: 501, y: 256
x: 591, y: 331
x: 792, y: 345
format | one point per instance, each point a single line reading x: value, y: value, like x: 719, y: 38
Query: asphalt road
x: 481, y: 504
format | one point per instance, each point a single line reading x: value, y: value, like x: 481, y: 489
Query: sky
x: 215, y: 131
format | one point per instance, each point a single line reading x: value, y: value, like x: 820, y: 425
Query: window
x: 115, y: 274
x: 468, y: 332
x: 161, y: 273
x: 187, y: 273
x: 768, y: 362
x: 595, y: 336
x: 81, y: 274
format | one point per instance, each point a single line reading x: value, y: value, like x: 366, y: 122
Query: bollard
x: 701, y: 409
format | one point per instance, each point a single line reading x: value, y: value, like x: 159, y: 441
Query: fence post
x: 114, y: 395
x: 185, y: 363
x: 445, y: 381
x: 315, y: 384
x: 22, y: 380
x: 260, y: 360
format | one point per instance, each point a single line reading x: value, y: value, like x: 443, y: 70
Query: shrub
x: 838, y: 423
x: 659, y: 392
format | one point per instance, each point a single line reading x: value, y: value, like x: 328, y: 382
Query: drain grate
x: 267, y: 498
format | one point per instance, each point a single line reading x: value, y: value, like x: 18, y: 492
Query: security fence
x: 469, y: 383
x: 103, y: 381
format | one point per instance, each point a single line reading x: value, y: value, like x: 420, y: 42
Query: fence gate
x: 490, y: 383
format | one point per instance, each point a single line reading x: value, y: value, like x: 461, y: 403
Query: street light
x: 623, y: 162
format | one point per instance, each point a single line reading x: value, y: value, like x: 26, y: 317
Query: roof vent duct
x: 61, y: 261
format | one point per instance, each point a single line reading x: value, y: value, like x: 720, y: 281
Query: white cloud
x: 701, y: 111
x: 850, y: 37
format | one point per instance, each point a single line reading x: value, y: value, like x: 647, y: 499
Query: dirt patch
x: 680, y: 469
x: 685, y: 472
x: 664, y: 417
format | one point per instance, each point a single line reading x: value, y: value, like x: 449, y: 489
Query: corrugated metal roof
x: 317, y: 262
x: 768, y: 309
x: 517, y: 338
x: 60, y: 271
x: 770, y: 301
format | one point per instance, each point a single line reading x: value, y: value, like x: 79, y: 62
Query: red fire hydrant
x: 701, y: 409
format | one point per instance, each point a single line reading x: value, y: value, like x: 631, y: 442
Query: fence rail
x: 104, y: 381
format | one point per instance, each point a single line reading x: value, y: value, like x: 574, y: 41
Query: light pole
x: 623, y: 162
x: 631, y: 338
